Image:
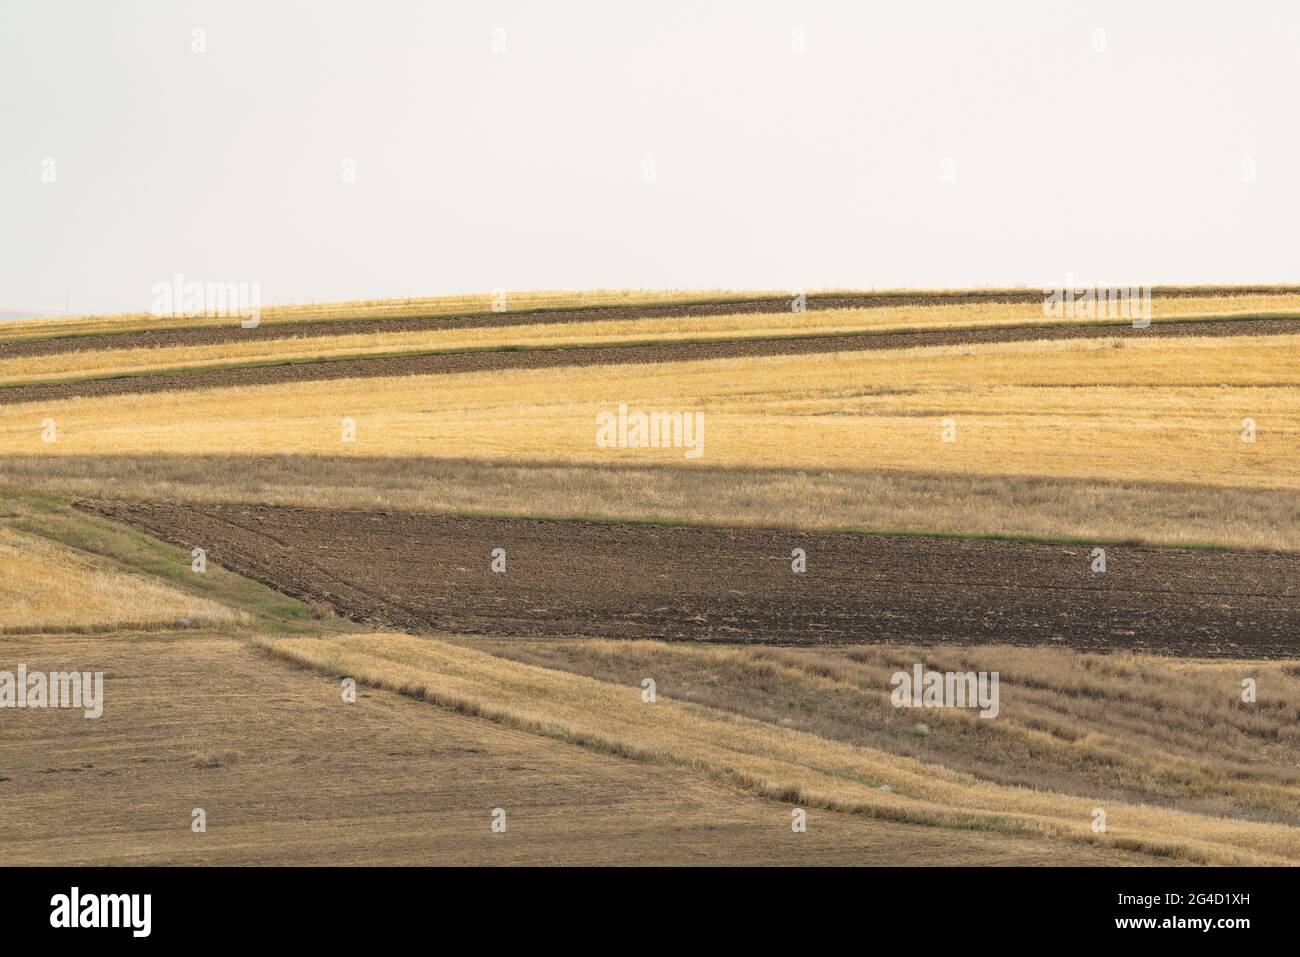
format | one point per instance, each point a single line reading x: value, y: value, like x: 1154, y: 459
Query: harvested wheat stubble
x: 425, y: 573
x: 263, y: 742
x: 489, y: 360
x: 207, y: 334
x: 769, y: 759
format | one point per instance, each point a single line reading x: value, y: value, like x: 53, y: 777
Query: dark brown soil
x: 424, y: 573
x: 496, y: 360
x: 212, y: 335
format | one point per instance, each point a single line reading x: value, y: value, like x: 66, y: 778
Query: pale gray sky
x: 911, y: 144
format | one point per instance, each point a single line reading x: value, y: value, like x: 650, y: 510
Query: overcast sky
x: 661, y: 144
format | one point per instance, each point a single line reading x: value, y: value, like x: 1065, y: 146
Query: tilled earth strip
x: 215, y: 335
x: 577, y: 356
x: 426, y: 573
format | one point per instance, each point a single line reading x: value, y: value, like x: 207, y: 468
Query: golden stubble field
x: 287, y: 774
x: 525, y: 335
x: 1159, y: 411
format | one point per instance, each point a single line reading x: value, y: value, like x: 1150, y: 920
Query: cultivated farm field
x: 438, y: 501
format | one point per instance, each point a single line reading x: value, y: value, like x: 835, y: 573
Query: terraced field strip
x: 206, y: 332
x: 19, y: 340
x: 431, y: 573
x: 310, y: 369
x: 1153, y: 409
x: 356, y: 342
x: 379, y: 309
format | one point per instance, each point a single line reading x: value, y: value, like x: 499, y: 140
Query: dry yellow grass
x: 774, y: 761
x: 46, y: 587
x: 116, y: 362
x: 1142, y: 728
x: 1153, y: 410
x: 1086, y: 510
